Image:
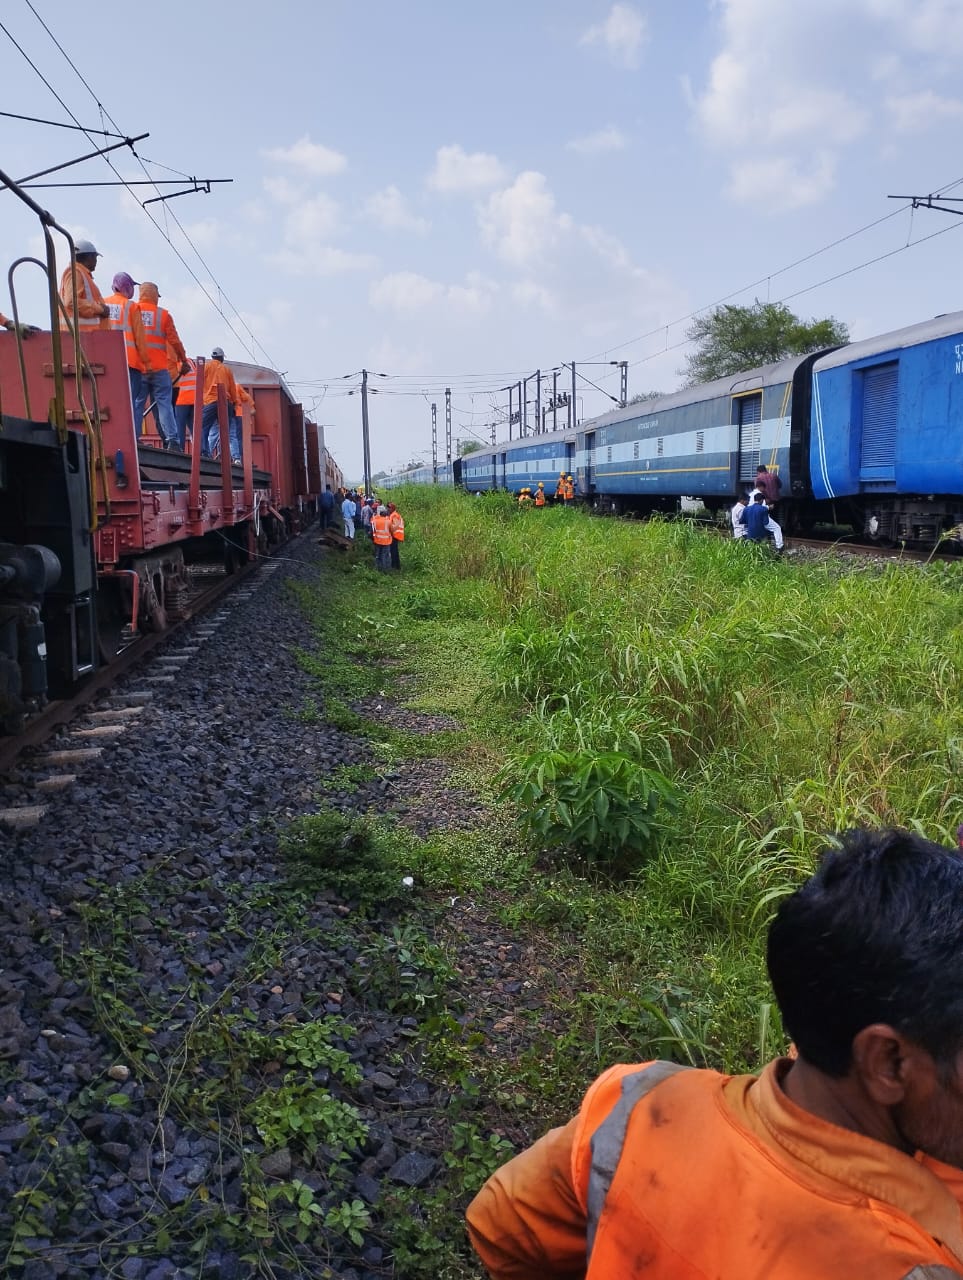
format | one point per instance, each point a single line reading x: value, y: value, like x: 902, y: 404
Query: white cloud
x: 521, y: 223
x: 389, y: 209
x: 283, y: 190
x: 607, y: 139
x: 621, y: 34
x: 914, y: 112
x: 529, y: 293
x: 458, y: 170
x: 779, y: 183
x: 406, y: 291
x: 309, y: 158
x: 312, y: 218
x: 320, y: 260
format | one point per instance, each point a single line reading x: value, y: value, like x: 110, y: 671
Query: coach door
x: 501, y: 471
x: 590, y: 461
x: 879, y: 400
x: 747, y: 415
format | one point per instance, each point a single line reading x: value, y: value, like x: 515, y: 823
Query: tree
x: 646, y: 395
x: 734, y: 338
x: 469, y: 446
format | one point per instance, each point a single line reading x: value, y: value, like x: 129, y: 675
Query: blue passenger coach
x: 704, y: 442
x: 515, y: 464
x: 886, y: 448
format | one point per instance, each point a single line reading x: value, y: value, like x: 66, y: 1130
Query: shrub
x: 604, y: 807
x: 354, y: 857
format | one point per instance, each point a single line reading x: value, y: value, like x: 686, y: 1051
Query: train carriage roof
x: 944, y: 326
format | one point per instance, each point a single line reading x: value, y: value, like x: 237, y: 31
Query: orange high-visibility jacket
x: 569, y: 491
x: 396, y: 525
x: 560, y: 488
x: 187, y: 384
x: 217, y: 374
x: 381, y: 531
x: 540, y: 498
x: 159, y: 330
x: 78, y: 280
x: 675, y: 1174
x: 125, y: 315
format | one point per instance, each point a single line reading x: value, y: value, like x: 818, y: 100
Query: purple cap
x: 123, y: 284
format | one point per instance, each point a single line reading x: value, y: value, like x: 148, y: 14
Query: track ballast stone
x: 179, y: 819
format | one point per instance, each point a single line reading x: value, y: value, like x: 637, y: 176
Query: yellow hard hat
x: 571, y: 477
x: 541, y: 484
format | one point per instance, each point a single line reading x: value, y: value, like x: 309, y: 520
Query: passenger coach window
x: 700, y: 441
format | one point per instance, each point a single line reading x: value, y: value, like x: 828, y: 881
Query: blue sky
x: 455, y: 194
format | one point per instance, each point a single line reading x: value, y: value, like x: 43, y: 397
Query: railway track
x: 48, y: 765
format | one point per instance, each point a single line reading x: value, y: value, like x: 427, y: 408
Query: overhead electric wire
x: 104, y: 113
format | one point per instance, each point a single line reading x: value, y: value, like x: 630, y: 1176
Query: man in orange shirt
x: 160, y: 333
x: 124, y: 315
x: 845, y: 1161
x: 78, y: 282
x: 216, y: 374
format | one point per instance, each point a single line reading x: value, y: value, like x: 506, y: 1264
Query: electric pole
x: 524, y: 406
x: 624, y: 382
x: 539, y: 423
x: 365, y: 439
x: 434, y: 444
x: 448, y: 425
x: 510, y: 390
x: 574, y: 415
x: 554, y: 399
x: 493, y: 435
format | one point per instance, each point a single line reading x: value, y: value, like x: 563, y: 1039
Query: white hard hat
x: 84, y: 246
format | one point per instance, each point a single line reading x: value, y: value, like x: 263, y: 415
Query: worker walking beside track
x: 383, y: 538
x: 540, y: 494
x: 847, y: 1161
x: 397, y: 527
x: 560, y: 487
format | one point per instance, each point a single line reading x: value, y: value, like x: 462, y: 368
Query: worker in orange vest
x: 568, y: 492
x: 382, y: 537
x: 237, y: 422
x: 560, y: 487
x: 184, y: 402
x: 77, y: 282
x: 397, y: 527
x: 216, y: 374
x: 124, y: 316
x: 845, y: 1160
x: 159, y: 333
x: 540, y: 494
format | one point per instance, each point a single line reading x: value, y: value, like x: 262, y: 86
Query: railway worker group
x: 156, y: 360
x: 381, y: 522
x: 564, y: 493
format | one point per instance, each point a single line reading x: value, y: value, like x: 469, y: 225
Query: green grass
x: 779, y: 699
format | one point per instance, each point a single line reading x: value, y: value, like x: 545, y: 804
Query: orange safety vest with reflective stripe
x: 676, y: 1183
x: 187, y: 385
x: 153, y: 317
x: 560, y: 488
x: 540, y: 498
x: 121, y: 308
x: 88, y: 295
x: 396, y: 525
x: 569, y: 492
x: 381, y: 531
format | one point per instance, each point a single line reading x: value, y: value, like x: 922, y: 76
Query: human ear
x: 886, y: 1063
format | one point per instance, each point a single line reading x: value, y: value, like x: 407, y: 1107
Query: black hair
x: 876, y: 935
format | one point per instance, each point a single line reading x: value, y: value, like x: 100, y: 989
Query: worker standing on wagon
x: 843, y: 1161
x: 216, y: 374
x: 78, y: 282
x: 184, y: 404
x: 124, y: 315
x: 159, y: 333
x: 397, y: 526
x: 237, y: 421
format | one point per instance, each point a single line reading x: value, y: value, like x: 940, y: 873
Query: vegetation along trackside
x: 637, y: 737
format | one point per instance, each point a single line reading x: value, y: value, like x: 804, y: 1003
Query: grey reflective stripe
x: 609, y: 1138
x: 933, y: 1273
